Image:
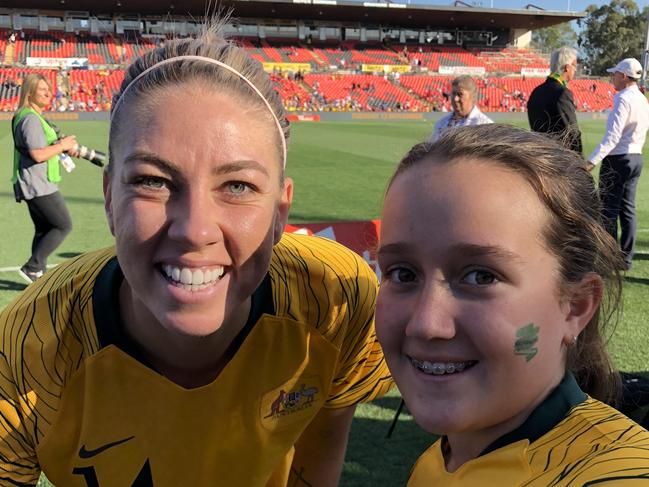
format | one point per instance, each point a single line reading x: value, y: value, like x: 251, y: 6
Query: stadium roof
x: 368, y: 12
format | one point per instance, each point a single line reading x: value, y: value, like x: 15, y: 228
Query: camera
x: 91, y: 155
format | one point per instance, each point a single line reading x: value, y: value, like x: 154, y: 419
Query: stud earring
x: 570, y: 340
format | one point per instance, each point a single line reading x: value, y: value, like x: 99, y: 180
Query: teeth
x: 198, y: 277
x: 192, y: 279
x: 186, y: 276
x: 439, y: 368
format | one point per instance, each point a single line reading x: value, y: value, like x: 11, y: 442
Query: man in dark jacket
x: 551, y: 107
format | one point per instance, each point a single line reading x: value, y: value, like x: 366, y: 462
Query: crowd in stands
x: 340, y: 76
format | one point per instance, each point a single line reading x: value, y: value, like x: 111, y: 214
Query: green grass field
x: 340, y: 171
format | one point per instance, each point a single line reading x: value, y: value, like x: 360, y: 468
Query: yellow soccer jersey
x: 571, y: 440
x: 78, y: 402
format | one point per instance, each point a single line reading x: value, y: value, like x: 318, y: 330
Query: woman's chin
x: 192, y: 327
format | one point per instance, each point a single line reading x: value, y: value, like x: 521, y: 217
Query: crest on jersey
x: 288, y: 402
x: 292, y: 402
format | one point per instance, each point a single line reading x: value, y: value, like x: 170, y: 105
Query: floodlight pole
x: 645, y: 54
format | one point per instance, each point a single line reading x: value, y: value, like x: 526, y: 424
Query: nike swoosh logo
x: 83, y: 453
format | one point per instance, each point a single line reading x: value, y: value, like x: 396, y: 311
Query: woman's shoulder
x: 320, y: 258
x: 26, y: 117
x: 27, y: 123
x: 321, y: 282
x: 53, y: 302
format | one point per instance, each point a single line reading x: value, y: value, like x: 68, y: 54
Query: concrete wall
x: 330, y: 116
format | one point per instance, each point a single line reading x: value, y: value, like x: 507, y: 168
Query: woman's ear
x: 583, y: 302
x: 282, y: 209
x: 108, y: 200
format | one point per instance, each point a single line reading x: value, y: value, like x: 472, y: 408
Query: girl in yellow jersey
x: 498, y: 283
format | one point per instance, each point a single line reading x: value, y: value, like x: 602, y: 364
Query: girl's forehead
x: 464, y: 183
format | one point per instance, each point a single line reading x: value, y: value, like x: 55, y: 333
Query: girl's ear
x: 583, y: 302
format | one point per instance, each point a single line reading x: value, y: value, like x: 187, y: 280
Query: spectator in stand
x: 551, y: 108
x: 621, y: 154
x: 465, y: 111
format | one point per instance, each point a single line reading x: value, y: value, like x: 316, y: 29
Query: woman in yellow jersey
x: 498, y: 285
x: 206, y: 348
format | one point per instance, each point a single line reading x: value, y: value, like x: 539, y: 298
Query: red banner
x: 302, y: 118
x: 361, y: 237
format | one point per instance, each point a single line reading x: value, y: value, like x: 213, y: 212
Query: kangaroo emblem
x: 277, y: 404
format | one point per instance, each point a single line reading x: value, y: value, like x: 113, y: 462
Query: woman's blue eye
x: 480, y: 278
x: 237, y: 187
x: 152, y: 182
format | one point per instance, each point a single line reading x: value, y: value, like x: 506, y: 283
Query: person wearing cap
x: 465, y: 111
x: 551, y: 107
x: 205, y: 347
x: 620, y: 153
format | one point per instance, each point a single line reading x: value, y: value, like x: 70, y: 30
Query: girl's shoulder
x: 593, y: 444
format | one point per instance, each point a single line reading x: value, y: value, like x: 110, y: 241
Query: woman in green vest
x: 36, y: 172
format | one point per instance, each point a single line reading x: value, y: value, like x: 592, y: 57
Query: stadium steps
x: 9, y: 54
x: 304, y: 85
x: 411, y: 93
x: 316, y: 56
x: 120, y: 51
x: 403, y: 59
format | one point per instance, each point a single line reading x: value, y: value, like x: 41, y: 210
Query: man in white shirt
x: 621, y: 154
x: 465, y: 112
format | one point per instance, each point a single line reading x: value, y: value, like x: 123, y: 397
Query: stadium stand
x: 334, y: 83
x: 93, y: 90
x: 295, y: 96
x: 293, y: 52
x: 359, y: 92
x: 507, y: 60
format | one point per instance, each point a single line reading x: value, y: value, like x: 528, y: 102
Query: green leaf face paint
x: 526, y: 338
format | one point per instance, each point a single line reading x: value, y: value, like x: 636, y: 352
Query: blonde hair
x: 210, y: 44
x: 28, y: 89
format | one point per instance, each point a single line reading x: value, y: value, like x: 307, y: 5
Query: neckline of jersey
x: 110, y: 325
x: 545, y: 416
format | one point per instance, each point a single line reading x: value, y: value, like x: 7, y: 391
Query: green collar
x: 546, y: 415
x: 557, y: 77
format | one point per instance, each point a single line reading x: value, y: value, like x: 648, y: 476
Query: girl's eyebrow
x: 476, y: 250
x: 466, y: 249
x: 395, y: 248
